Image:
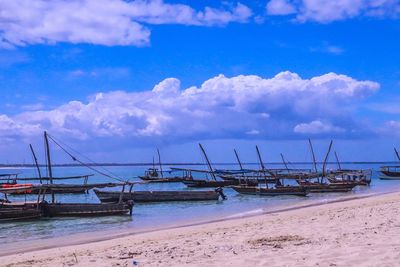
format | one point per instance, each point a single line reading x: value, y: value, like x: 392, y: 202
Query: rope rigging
x: 110, y: 174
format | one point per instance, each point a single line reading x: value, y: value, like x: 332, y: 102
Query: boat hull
x: 328, y: 188
x: 22, y: 212
x: 157, y: 196
x: 162, y: 180
x: 286, y: 190
x: 250, y: 179
x: 85, y: 209
x: 389, y: 175
x: 214, y: 184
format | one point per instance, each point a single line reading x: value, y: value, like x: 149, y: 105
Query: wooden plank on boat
x: 157, y: 196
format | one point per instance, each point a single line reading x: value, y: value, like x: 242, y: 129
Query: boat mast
x: 326, y: 159
x: 208, y: 162
x: 263, y: 169
x: 259, y: 158
x: 159, y: 162
x: 240, y: 165
x: 313, y: 155
x: 50, y: 172
x: 238, y: 160
x: 284, y: 162
x: 36, y: 162
x: 337, y: 161
x: 397, y: 153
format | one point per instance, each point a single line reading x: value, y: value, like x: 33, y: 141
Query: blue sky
x: 291, y: 70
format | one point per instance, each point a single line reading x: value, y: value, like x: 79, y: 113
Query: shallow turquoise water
x: 158, y: 215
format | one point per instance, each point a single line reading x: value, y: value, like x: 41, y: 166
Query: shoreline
x: 87, y: 238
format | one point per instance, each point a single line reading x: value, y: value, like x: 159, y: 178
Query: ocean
x: 159, y: 215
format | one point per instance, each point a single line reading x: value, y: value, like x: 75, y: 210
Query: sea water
x: 159, y: 215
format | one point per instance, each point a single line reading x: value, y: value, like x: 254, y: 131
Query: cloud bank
x: 102, y: 22
x: 246, y: 107
x: 325, y: 11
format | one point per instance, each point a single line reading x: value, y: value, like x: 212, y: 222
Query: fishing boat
x: 85, y: 209
x: 211, y: 182
x: 275, y: 191
x: 156, y: 175
x: 349, y: 176
x: 153, y: 175
x: 216, y: 183
x: 62, y: 188
x: 391, y: 172
x: 357, y: 177
x: 325, y: 182
x: 247, y: 176
x: 321, y: 187
x: 160, y: 196
x: 8, y: 179
x: 18, y: 211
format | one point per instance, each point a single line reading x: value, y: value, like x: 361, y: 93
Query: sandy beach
x: 350, y: 233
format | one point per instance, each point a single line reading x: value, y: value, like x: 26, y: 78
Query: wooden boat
x: 64, y: 188
x: 85, y: 209
x: 315, y: 187
x: 158, y: 196
x: 8, y: 179
x: 9, y: 212
x: 356, y: 177
x: 155, y: 175
x: 18, y: 211
x: 217, y: 183
x: 277, y: 191
x: 255, y: 178
x: 390, y: 173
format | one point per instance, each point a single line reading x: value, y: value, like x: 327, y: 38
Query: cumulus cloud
x: 280, y: 7
x: 325, y: 11
x: 222, y: 107
x: 103, y: 22
x: 391, y: 128
x: 317, y: 127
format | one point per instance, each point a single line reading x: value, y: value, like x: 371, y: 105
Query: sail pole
x: 313, y: 155
x: 262, y: 165
x: 397, y: 153
x: 36, y: 163
x: 159, y: 162
x: 238, y: 160
x: 50, y: 172
x: 326, y: 159
x: 259, y: 158
x: 240, y: 165
x: 208, y: 162
x: 337, y: 161
x: 284, y: 162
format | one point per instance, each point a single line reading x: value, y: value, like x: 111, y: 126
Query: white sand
x: 362, y: 232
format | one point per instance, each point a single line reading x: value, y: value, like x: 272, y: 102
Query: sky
x: 116, y: 79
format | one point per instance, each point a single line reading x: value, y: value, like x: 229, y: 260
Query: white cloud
x: 327, y: 48
x: 104, y: 22
x: 325, y: 11
x: 317, y: 127
x: 280, y: 7
x: 391, y: 128
x: 238, y: 107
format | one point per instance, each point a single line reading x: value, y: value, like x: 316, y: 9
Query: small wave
x: 246, y: 213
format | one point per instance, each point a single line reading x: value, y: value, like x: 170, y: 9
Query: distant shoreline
x: 188, y: 164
